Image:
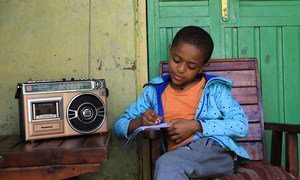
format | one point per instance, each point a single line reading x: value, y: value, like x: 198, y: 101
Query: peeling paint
x: 99, y: 66
x: 116, y: 60
x: 244, y: 51
x: 131, y: 64
x: 133, y: 67
x: 106, y: 34
x: 267, y: 59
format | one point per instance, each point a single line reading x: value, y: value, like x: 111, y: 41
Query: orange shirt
x: 181, y: 105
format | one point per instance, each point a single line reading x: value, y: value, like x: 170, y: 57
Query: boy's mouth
x: 177, y: 78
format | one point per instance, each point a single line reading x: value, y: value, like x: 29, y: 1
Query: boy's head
x: 196, y: 36
x: 190, y: 50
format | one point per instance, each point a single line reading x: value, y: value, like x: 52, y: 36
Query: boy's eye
x: 192, y: 67
x: 176, y: 59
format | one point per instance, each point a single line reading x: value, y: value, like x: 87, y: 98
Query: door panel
x: 165, y: 18
x: 291, y: 64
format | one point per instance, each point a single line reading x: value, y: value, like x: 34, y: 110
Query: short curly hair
x: 196, y: 36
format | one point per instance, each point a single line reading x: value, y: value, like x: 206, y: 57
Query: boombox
x: 50, y: 109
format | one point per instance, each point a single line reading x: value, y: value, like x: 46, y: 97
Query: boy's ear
x: 203, y: 67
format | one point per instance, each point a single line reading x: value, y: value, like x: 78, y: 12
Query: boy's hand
x: 150, y: 118
x: 181, y: 129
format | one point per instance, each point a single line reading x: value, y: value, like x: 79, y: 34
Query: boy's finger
x: 147, y: 115
x: 159, y: 118
x: 171, y: 128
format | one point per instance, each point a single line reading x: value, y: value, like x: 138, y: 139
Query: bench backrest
x: 246, y: 90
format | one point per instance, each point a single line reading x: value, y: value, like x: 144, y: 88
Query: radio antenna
x: 89, y: 40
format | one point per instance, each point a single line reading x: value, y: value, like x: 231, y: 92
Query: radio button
x: 47, y: 128
x: 98, y: 84
x: 87, y: 113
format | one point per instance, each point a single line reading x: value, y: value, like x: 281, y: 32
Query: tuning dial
x: 98, y: 84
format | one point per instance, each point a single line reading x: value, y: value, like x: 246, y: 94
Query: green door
x: 266, y: 30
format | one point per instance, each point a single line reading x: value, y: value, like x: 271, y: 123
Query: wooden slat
x: 72, y: 143
x: 96, y: 140
x: 28, y: 146
x: 245, y: 95
x: 276, y: 148
x: 240, y: 78
x: 3, y: 137
x: 94, y: 148
x: 252, y: 112
x: 9, y: 142
x: 48, y: 172
x: 254, y: 133
x: 90, y: 155
x: 254, y: 149
x: 291, y: 160
x: 290, y: 128
x: 49, y: 144
x: 31, y: 158
x: 230, y: 65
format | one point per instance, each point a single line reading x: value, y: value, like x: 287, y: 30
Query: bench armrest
x: 280, y: 127
x: 291, y: 146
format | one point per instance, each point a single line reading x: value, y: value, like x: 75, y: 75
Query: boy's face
x: 186, y: 61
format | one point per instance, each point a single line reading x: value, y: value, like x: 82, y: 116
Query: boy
x: 204, y: 118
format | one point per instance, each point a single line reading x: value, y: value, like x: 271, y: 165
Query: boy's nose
x: 181, y: 68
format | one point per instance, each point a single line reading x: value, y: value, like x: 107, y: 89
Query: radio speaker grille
x: 86, y: 113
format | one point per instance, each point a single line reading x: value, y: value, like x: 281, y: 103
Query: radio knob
x: 87, y: 113
x: 98, y: 84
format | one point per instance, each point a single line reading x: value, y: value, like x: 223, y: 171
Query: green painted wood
x: 266, y: 29
x: 269, y: 9
x: 291, y: 56
x: 246, y: 42
x: 183, y: 9
x: 269, y: 73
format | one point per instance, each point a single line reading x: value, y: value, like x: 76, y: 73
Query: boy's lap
x: 197, y: 151
x: 197, y: 158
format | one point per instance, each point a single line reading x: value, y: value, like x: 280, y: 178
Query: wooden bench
x: 59, y: 158
x: 244, y: 72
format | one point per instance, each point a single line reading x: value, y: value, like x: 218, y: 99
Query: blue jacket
x: 221, y: 116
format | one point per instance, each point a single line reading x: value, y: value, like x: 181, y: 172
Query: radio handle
x: 19, y: 88
x: 107, y: 92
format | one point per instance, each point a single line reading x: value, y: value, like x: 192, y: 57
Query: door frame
x: 141, y: 56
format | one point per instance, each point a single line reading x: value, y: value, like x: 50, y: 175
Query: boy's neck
x: 185, y: 86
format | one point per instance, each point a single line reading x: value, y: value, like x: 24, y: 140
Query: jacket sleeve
x: 143, y: 103
x: 228, y: 117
